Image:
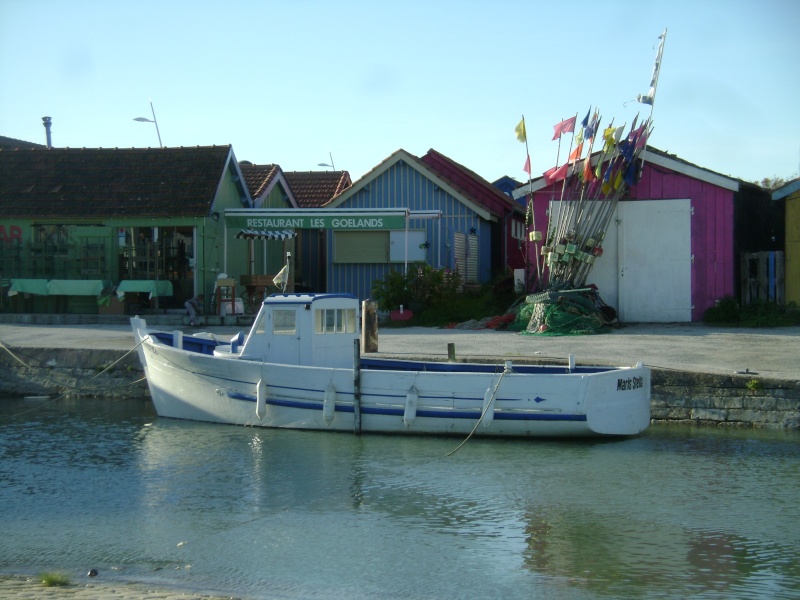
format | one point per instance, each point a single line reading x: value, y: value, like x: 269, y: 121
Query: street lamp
x: 153, y: 120
x: 326, y: 164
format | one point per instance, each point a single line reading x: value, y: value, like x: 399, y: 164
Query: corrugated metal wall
x: 402, y: 186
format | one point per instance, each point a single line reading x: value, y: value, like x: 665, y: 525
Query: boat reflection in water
x: 628, y: 518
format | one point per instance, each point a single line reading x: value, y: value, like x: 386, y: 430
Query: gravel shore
x: 31, y: 587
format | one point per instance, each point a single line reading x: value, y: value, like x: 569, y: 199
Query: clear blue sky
x: 291, y: 81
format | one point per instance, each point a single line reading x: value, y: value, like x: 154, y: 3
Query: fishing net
x: 563, y: 312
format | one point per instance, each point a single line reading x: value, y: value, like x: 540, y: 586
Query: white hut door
x: 655, y: 261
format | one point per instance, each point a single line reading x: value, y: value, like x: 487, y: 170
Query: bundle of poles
x: 591, y: 187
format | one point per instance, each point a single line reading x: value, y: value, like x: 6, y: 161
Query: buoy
x: 412, y: 400
x: 261, y: 399
x: 329, y: 404
x: 488, y: 407
x: 92, y: 573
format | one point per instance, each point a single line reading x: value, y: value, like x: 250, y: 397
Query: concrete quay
x: 701, y: 374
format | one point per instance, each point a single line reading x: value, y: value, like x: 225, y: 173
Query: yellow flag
x: 520, y: 131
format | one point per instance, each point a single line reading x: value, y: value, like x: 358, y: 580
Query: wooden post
x: 451, y: 352
x: 369, y: 326
x: 356, y: 388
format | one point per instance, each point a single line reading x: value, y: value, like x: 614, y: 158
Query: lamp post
x: 153, y: 120
x: 328, y: 165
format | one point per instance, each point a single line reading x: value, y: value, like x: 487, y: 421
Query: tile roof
x: 103, y: 182
x: 314, y: 189
x: 7, y: 143
x: 258, y: 178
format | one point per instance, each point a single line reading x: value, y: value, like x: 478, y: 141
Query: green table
x: 153, y: 287
x: 28, y: 286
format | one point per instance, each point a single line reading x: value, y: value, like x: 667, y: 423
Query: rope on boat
x: 483, y: 414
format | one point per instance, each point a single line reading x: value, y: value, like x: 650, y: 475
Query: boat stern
x: 619, y: 402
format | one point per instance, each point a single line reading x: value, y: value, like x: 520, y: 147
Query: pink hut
x: 668, y: 252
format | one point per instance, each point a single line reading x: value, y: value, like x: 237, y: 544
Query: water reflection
x: 673, y: 513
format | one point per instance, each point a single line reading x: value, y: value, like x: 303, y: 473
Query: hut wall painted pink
x: 711, y: 228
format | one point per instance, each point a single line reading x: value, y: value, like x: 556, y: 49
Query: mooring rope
x: 483, y: 414
x: 72, y: 387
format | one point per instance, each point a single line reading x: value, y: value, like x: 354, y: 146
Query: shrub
x: 55, y: 579
x: 725, y: 311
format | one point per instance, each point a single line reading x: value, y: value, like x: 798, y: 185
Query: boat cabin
x: 305, y: 329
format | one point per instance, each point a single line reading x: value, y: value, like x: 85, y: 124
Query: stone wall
x: 677, y: 396
x: 730, y: 400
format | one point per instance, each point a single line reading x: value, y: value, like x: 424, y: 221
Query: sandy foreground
x: 32, y: 588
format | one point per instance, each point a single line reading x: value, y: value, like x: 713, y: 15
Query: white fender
x: 261, y: 399
x: 412, y: 400
x: 329, y: 404
x: 488, y: 407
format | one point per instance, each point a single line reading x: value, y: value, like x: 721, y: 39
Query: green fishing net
x: 561, y: 312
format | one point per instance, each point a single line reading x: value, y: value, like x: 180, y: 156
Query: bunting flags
x: 522, y: 136
x: 564, y: 126
x: 527, y: 166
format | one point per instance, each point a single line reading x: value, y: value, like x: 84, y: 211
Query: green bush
x: 756, y: 314
x: 421, y: 287
x: 726, y: 310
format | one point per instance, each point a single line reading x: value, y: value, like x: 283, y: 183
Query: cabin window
x: 335, y: 320
x: 283, y: 322
x: 260, y: 324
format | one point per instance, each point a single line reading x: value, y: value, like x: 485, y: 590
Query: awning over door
x: 253, y: 234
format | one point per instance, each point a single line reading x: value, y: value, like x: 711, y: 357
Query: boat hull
x: 384, y: 397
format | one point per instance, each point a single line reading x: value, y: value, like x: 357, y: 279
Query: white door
x: 646, y: 267
x: 655, y: 261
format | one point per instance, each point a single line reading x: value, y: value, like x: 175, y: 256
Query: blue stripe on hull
x: 433, y: 414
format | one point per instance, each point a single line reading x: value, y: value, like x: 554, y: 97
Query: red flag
x: 527, y: 167
x: 555, y: 174
x: 565, y: 126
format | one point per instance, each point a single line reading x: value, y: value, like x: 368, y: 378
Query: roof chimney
x: 47, y: 121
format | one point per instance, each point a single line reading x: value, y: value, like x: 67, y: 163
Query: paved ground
x: 686, y: 347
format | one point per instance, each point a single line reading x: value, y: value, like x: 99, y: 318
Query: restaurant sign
x: 347, y: 221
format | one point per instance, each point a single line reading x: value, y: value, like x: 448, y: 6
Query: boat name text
x: 631, y: 383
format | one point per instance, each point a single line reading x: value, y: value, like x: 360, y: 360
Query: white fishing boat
x: 300, y: 367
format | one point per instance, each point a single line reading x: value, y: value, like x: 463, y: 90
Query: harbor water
x: 676, y: 512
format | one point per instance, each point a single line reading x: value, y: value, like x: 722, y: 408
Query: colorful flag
x: 282, y: 277
x: 579, y: 136
x: 592, y: 128
x: 576, y: 153
x: 527, y: 166
x: 555, y: 174
x: 588, y: 173
x: 585, y: 121
x: 650, y: 96
x: 520, y: 131
x: 608, y: 138
x: 564, y: 126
